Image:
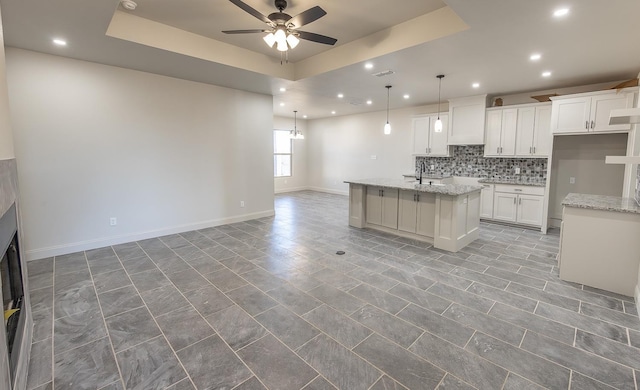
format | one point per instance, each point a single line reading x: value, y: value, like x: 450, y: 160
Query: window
x: 282, y: 151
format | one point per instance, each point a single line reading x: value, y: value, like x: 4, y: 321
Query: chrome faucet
x: 421, y: 167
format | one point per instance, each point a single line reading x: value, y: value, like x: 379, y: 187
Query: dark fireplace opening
x: 12, y: 291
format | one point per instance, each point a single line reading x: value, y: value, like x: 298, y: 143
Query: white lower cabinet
x: 518, y: 204
x: 416, y: 212
x: 486, y: 201
x: 382, y: 207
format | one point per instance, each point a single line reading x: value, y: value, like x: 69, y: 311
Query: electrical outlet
x: 517, y: 170
x: 572, y: 180
x: 242, y: 203
x: 433, y: 167
x: 113, y: 221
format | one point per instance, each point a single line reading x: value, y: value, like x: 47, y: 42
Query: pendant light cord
x: 439, y: 90
x: 388, y: 90
x: 295, y: 122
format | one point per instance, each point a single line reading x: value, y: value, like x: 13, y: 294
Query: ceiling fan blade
x: 245, y: 31
x: 306, y: 17
x: 248, y: 9
x: 313, y: 37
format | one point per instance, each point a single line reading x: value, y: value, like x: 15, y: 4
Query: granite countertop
x: 428, y: 176
x: 601, y: 202
x: 444, y: 189
x: 520, y: 182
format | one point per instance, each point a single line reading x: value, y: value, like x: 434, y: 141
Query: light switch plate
x: 572, y: 180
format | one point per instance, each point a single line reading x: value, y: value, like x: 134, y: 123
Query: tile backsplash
x: 469, y: 161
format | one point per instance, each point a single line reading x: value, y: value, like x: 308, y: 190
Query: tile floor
x: 268, y: 304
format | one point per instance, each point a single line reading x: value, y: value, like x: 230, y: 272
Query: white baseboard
x: 63, y: 249
x: 329, y: 191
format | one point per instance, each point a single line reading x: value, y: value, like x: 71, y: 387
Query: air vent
x: 383, y: 73
x: 356, y: 102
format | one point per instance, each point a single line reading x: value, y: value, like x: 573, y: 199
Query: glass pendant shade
x: 282, y: 46
x: 387, y: 129
x: 270, y: 39
x: 387, y: 126
x: 293, y: 41
x: 438, y: 126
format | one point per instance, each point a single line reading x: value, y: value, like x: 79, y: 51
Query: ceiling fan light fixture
x: 293, y: 41
x: 270, y: 39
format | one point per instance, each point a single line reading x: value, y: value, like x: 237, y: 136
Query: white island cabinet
x: 447, y: 215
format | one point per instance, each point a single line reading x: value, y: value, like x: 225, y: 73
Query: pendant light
x: 387, y: 126
x: 295, y: 134
x: 438, y: 125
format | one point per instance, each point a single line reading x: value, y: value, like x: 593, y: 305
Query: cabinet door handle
x: 382, y: 192
x: 414, y: 197
x: 418, y: 197
x: 586, y: 125
x: 519, y: 200
x: 530, y: 149
x: 518, y: 189
x: 534, y: 150
x: 426, y: 150
x: 593, y: 124
x: 514, y: 200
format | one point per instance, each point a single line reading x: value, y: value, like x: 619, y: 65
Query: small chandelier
x: 438, y: 124
x: 295, y: 134
x: 387, y: 126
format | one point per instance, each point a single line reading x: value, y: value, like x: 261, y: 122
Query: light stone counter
x: 601, y: 202
x: 444, y: 189
x: 519, y: 182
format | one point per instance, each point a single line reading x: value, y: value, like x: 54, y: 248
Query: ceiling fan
x: 283, y: 29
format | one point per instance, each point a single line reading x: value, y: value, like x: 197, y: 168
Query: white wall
x: 298, y: 180
x: 6, y: 139
x: 161, y: 154
x: 341, y: 148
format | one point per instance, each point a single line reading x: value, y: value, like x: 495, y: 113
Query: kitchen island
x: 600, y: 242
x: 446, y: 215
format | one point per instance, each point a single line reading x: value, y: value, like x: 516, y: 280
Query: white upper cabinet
x: 518, y: 131
x: 501, y: 132
x: 426, y: 141
x: 588, y: 112
x: 467, y: 120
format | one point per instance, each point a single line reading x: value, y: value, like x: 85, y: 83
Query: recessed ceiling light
x: 333, y: 112
x: 128, y: 4
x: 281, y: 104
x: 535, y: 57
x: 304, y: 116
x: 283, y: 89
x: 60, y: 42
x: 560, y: 12
x: 369, y: 102
x: 368, y: 65
x: 406, y: 96
x: 475, y: 85
x: 546, y: 74
x: 340, y: 96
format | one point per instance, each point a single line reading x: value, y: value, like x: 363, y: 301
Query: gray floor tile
x: 584, y: 296
x: 46, y: 386
x: 276, y: 365
x: 219, y: 252
x: 517, y: 278
x: 487, y: 324
x: 400, y: 364
x: 339, y: 300
x: 336, y: 279
x: 408, y: 278
x: 523, y: 363
x: 171, y: 263
x: 70, y: 263
x: 131, y: 328
x: 103, y: 265
x: 140, y: 264
x: 184, y: 327
x: 111, y: 280
x: 386, y: 383
x: 580, y: 321
x: 444, y: 277
x: 149, y: 280
x: 582, y: 382
x: 342, y: 328
x: 100, y: 253
x: 128, y: 251
x: 188, y: 280
x: 319, y: 384
x: 251, y: 299
x: 508, y: 298
x: 538, y: 324
x: 239, y: 265
x: 379, y: 298
x: 184, y: 384
x: 120, y: 300
x: 288, y: 327
x: 450, y: 382
x: 164, y: 300
x: 515, y: 382
x: 150, y: 365
x: 212, y: 365
x: 225, y: 280
x: 339, y: 365
x: 71, y: 281
x: 438, y: 325
x: 40, y: 273
x: 41, y: 299
x: 421, y: 298
x: 608, y: 349
x: 544, y: 296
x: 387, y: 325
x: 578, y: 360
x: 78, y: 329
x: 613, y: 316
x: 294, y: 299
x: 42, y: 324
x: 40, y: 363
x: 463, y: 364
x: 462, y: 297
x: 250, y: 384
x: 236, y: 327
x: 262, y: 279
x: 205, y: 264
x: 209, y: 300
x: 95, y: 369
x: 373, y: 278
x: 75, y: 301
